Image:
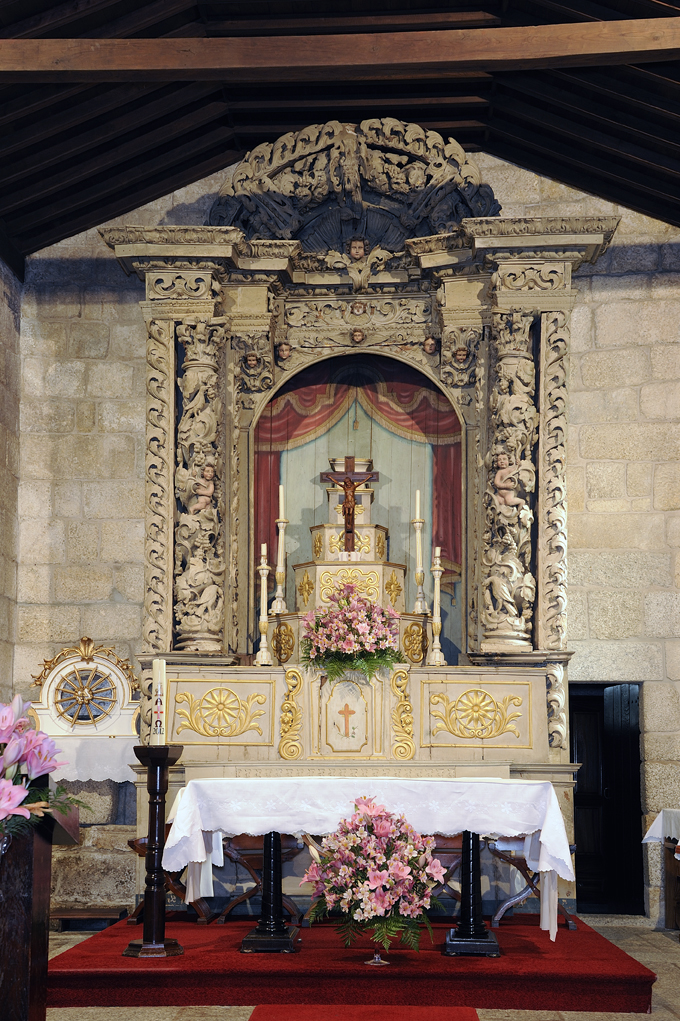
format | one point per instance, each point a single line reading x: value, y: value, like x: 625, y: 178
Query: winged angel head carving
x: 333, y: 186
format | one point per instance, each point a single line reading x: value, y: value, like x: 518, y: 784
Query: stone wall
x: 81, y: 495
x: 10, y: 306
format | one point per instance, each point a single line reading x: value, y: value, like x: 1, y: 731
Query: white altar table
x: 666, y: 824
x: 205, y: 810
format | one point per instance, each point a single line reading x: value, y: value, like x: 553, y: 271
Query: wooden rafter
x: 366, y: 57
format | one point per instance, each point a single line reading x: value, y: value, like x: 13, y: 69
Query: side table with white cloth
x: 207, y: 810
x: 666, y: 830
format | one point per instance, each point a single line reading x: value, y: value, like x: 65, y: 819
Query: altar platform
x: 580, y: 971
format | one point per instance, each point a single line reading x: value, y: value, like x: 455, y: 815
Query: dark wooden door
x: 605, y: 738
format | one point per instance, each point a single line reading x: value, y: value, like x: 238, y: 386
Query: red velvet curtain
x: 318, y: 397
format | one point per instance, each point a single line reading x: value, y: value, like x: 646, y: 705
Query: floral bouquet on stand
x: 353, y: 634
x: 379, y: 873
x: 25, y: 754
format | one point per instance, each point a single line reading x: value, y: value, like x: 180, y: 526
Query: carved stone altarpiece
x: 377, y: 238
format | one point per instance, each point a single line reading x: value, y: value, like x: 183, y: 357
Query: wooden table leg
x: 471, y: 936
x: 271, y: 935
x: 157, y: 759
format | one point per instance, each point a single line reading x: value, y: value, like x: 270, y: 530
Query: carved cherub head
x: 208, y: 472
x: 283, y: 351
x: 460, y: 355
x: 356, y: 249
x: 251, y: 360
x: 357, y: 336
x: 430, y: 346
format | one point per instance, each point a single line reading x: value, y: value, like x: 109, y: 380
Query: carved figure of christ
x: 346, y: 712
x: 349, y: 480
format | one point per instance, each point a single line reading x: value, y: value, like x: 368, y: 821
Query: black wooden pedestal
x: 271, y: 935
x: 157, y: 759
x: 471, y: 936
x: 25, y: 874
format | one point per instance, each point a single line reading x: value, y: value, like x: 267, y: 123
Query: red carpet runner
x: 350, y: 1012
x: 580, y: 971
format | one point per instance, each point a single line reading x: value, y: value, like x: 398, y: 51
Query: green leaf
x: 318, y: 910
x: 349, y: 930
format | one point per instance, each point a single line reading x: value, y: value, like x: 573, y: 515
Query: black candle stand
x: 471, y: 936
x: 157, y: 759
x: 271, y: 935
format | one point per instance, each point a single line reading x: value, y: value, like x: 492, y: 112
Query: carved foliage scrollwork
x: 404, y: 746
x: 459, y: 353
x: 508, y: 584
x: 556, y: 701
x: 157, y: 567
x: 199, y: 541
x: 290, y: 745
x: 553, y: 532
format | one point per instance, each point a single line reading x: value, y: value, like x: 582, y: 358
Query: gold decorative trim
x: 306, y: 587
x: 220, y: 713
x: 290, y: 746
x: 404, y: 746
x: 366, y: 582
x: 380, y: 545
x: 475, y: 715
x: 87, y: 650
x: 415, y: 642
x: 283, y: 642
x: 317, y: 546
x: 90, y: 690
x: 336, y: 542
x: 393, y: 588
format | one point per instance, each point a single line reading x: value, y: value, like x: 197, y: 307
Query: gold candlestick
x: 263, y: 657
x: 436, y: 656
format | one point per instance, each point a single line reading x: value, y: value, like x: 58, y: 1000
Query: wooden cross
x: 349, y: 480
x: 346, y: 713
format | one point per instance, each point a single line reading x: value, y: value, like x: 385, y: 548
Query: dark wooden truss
x: 74, y: 153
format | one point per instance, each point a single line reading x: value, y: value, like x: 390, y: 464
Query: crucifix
x: 346, y: 712
x: 349, y: 480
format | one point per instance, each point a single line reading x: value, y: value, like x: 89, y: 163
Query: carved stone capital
x: 459, y: 353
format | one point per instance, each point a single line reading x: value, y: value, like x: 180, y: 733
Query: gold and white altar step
x: 286, y: 632
x: 379, y: 580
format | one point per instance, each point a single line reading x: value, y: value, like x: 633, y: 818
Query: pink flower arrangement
x: 379, y: 873
x: 353, y: 634
x: 24, y: 755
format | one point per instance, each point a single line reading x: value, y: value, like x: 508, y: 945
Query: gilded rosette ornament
x: 290, y: 746
x: 220, y: 713
x: 404, y: 746
x: 475, y: 715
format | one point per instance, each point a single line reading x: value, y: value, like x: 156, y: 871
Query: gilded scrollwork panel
x: 403, y: 746
x: 290, y: 745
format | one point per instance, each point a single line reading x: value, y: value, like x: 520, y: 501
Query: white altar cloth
x: 96, y: 758
x: 666, y: 824
x: 207, y: 809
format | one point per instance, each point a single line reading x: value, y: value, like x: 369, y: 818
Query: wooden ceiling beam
x: 352, y: 23
x: 332, y: 103
x: 80, y: 172
x: 93, y: 193
x: 363, y: 57
x: 108, y: 206
x: 591, y: 166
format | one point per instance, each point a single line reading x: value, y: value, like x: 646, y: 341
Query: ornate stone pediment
x: 381, y: 180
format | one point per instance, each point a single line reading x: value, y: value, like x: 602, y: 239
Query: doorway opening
x: 605, y: 739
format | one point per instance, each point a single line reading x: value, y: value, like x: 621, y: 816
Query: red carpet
x: 580, y: 971
x: 349, y: 1012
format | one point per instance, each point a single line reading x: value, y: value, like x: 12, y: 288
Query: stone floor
x: 655, y: 948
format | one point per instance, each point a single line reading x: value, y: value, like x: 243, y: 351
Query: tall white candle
x: 159, y: 703
x: 417, y: 503
x: 437, y: 551
x: 281, y: 509
x: 263, y: 550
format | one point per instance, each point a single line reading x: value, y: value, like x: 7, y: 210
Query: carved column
x: 199, y: 561
x: 508, y: 584
x: 250, y: 377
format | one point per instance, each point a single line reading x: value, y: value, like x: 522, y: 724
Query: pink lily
x: 11, y: 796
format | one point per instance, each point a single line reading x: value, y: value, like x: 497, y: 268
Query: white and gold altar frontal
x: 376, y: 239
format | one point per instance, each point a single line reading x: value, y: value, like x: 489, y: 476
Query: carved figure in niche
x: 430, y: 346
x: 357, y: 336
x: 509, y: 592
x: 506, y: 482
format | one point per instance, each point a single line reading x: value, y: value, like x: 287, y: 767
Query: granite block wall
x: 10, y: 309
